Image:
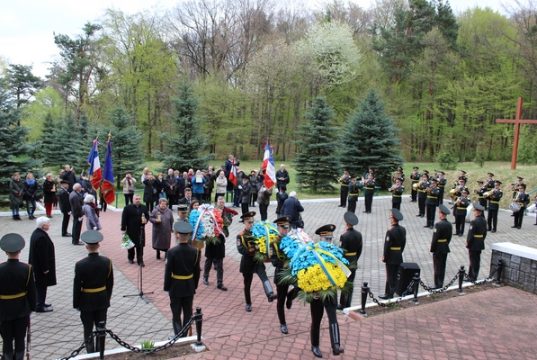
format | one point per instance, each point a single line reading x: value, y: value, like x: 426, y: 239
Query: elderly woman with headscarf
x: 43, y: 260
x: 89, y: 209
x: 162, y: 219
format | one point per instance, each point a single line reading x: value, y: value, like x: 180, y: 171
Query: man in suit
x: 133, y: 222
x: 475, y: 241
x: 76, y: 199
x: 17, y: 297
x: 440, y: 245
x: 181, y: 277
x: 65, y: 206
x: 92, y: 288
x: 394, y: 245
x: 351, y: 243
x: 42, y: 257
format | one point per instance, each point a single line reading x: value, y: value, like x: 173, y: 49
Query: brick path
x: 230, y: 332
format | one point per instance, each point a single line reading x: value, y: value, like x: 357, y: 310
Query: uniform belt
x: 441, y: 240
x: 397, y: 248
x: 441, y: 186
x: 432, y: 197
x: 370, y: 188
x: 354, y: 194
x: 396, y: 195
x: 347, y: 185
x: 494, y: 202
x: 480, y: 197
x: 351, y: 254
x: 419, y: 190
x: 14, y: 296
x: 93, y: 290
x: 478, y: 236
x: 182, y: 277
x: 461, y: 208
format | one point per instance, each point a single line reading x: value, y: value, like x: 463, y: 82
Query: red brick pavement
x: 457, y: 328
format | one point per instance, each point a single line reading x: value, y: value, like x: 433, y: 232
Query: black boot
x: 316, y: 351
x: 268, y: 290
x: 19, y: 355
x: 335, y: 339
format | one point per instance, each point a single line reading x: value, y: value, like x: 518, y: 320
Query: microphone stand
x: 140, y: 278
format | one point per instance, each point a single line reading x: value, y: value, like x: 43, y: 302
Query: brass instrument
x: 452, y: 192
x: 415, y: 186
x: 488, y: 194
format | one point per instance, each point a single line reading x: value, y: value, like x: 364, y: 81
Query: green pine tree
x: 50, y: 147
x: 185, y: 145
x: 126, y: 143
x: 370, y: 139
x: 75, y: 147
x: 316, y: 149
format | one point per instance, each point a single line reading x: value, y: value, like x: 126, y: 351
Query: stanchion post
x: 101, y: 335
x: 416, y: 280
x: 461, y: 279
x: 199, y: 320
x: 499, y: 271
x: 365, y: 292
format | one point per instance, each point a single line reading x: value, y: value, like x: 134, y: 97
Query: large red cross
x: 517, y: 121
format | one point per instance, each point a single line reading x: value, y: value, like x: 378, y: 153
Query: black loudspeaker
x: 404, y: 277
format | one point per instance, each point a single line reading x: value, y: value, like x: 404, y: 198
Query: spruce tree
x: 185, y: 144
x: 50, y: 147
x: 369, y: 139
x: 75, y: 147
x: 126, y: 141
x: 316, y: 149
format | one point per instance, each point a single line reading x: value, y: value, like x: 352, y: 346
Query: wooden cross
x: 517, y: 121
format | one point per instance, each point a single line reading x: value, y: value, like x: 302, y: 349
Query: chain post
x: 199, y: 321
x: 365, y: 291
x: 499, y: 269
x: 416, y: 284
x: 101, y: 335
x: 461, y: 279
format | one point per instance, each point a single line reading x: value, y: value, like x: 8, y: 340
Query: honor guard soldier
x: 460, y: 212
x: 394, y: 245
x: 351, y: 243
x: 494, y: 198
x: 279, y: 260
x: 329, y: 304
x: 462, y: 176
x: 522, y: 199
x: 181, y: 276
x: 354, y: 192
x: 440, y: 245
x: 92, y: 289
x: 344, y: 181
x: 432, y: 202
x: 17, y: 297
x: 441, y: 186
x: 249, y: 265
x: 423, y: 185
x: 480, y: 192
x: 414, y: 179
x: 489, y: 184
x: 515, y: 186
x: 397, y: 193
x: 475, y: 241
x: 369, y: 190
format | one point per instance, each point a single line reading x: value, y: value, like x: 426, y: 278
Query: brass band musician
x: 344, y: 180
x: 397, y: 191
x: 369, y: 190
x: 480, y: 191
x: 442, y: 181
x: 493, y: 198
x: 415, y: 179
x: 460, y: 206
x: 422, y: 194
x: 522, y: 199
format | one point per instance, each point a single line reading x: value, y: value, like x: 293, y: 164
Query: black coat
x: 49, y: 196
x: 475, y: 241
x: 217, y: 250
x: 93, y: 272
x: 131, y: 222
x: 248, y: 264
x: 443, y: 231
x: 282, y: 178
x: 150, y: 191
x: 42, y: 257
x: 292, y: 208
x: 183, y: 260
x: 351, y: 242
x: 394, y: 245
x: 75, y: 200
x: 70, y: 177
x: 16, y: 278
x: 30, y: 192
x: 63, y: 201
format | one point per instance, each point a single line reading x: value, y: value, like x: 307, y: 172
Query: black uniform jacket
x: 351, y: 242
x: 216, y: 250
x: 432, y: 196
x: 131, y: 221
x: 63, y: 200
x: 17, y: 290
x: 42, y: 258
x: 394, y: 245
x: 461, y: 205
x: 248, y: 264
x: 477, y: 234
x: 182, y: 272
x: 441, y: 237
x: 494, y: 199
x: 93, y: 284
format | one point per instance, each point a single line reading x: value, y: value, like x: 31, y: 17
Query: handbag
x: 126, y: 242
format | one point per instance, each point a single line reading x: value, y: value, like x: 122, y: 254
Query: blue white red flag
x: 95, y: 171
x: 107, y: 186
x: 233, y: 177
x: 269, y: 179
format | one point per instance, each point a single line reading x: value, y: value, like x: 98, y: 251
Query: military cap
x: 91, y: 237
x: 434, y: 180
x: 396, y: 214
x: 325, y: 230
x: 399, y: 168
x: 398, y: 178
x: 462, y: 171
x: 350, y: 218
x: 12, y: 243
x: 478, y: 206
x: 462, y: 177
x: 182, y: 227
x: 442, y: 172
x: 490, y: 174
x: 282, y: 220
x: 415, y: 168
x: 481, y: 181
x: 497, y: 182
x: 522, y: 186
x: 520, y: 178
x: 182, y: 207
x: 249, y: 214
x: 444, y: 209
x: 426, y: 172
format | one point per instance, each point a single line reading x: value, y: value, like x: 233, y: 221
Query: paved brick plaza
x: 436, y: 331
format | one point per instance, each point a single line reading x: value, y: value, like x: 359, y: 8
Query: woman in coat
x: 89, y: 209
x: 15, y: 195
x: 162, y: 220
x: 49, y: 194
x: 149, y: 191
x: 30, y: 187
x: 221, y: 185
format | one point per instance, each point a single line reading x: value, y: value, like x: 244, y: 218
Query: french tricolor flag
x: 268, y: 165
x: 233, y: 177
x: 95, y: 170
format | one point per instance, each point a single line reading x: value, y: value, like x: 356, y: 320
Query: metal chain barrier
x: 439, y: 290
x: 409, y: 290
x: 77, y: 351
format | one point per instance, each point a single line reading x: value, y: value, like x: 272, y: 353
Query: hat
x: 398, y: 178
x: 399, y: 168
x: 426, y: 172
x: 64, y: 181
x: 444, y: 209
x: 396, y: 214
x: 522, y: 186
x: 462, y: 171
x: 481, y: 181
x: 182, y: 227
x: 91, y: 237
x: 182, y: 207
x: 441, y: 172
x: 12, y: 243
x: 415, y: 168
x: 478, y: 206
x: 325, y: 230
x: 490, y: 174
x: 249, y: 214
x: 282, y: 220
x: 520, y: 178
x: 497, y: 182
x: 463, y: 178
x: 350, y: 218
x: 434, y: 180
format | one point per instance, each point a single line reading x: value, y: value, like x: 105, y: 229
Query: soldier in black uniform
x: 344, y: 180
x: 17, y: 297
x: 440, y: 245
x: 92, y: 288
x: 432, y: 202
x: 397, y: 193
x: 329, y: 304
x: 441, y: 186
x: 475, y: 242
x: 249, y: 266
x: 480, y: 191
x: 414, y: 179
x: 460, y: 212
x: 181, y: 276
x: 354, y: 192
x: 494, y: 206
x: 394, y: 245
x: 351, y: 243
x: 462, y: 176
x: 522, y: 199
x: 369, y: 190
x: 423, y: 185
